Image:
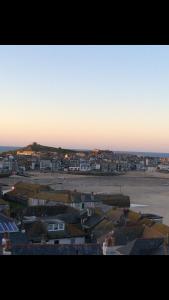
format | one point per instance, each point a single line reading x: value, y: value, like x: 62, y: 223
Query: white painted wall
x: 68, y: 241
x: 35, y: 202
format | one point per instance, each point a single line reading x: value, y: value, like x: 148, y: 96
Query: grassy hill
x: 40, y: 148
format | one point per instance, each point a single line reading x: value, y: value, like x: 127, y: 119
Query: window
x: 1, y: 228
x: 61, y: 226
x: 50, y: 227
x: 55, y: 227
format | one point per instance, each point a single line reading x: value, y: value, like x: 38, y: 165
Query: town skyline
x: 4, y: 148
x: 85, y: 97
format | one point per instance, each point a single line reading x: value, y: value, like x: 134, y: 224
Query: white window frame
x: 52, y: 227
x: 61, y: 226
x: 55, y: 227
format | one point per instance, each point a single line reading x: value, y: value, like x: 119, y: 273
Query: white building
x: 74, y: 168
x: 74, y: 165
x: 151, y: 169
x: 85, y: 166
x: 6, y: 164
x: 163, y: 167
x: 45, y: 164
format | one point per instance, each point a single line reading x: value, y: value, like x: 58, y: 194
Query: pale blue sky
x: 85, y: 96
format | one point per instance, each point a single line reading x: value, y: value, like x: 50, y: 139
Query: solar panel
x: 5, y: 226
x: 14, y: 226
x: 1, y: 228
x: 10, y: 227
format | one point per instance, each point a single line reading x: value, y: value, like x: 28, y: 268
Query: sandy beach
x: 149, y: 192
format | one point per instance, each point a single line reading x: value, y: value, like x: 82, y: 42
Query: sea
x: 7, y: 148
x: 146, y: 154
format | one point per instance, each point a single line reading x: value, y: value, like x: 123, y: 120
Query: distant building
x: 45, y: 164
x: 57, y: 165
x: 151, y: 169
x: 95, y: 166
x: 83, y: 200
x: 85, y: 166
x: 74, y: 165
x: 164, y: 167
x: 80, y: 154
x: 25, y: 152
x: 6, y: 164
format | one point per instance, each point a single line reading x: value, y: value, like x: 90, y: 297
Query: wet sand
x: 149, y: 189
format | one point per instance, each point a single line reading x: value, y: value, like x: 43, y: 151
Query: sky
x: 85, y: 97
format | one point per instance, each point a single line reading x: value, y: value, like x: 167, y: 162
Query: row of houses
x: 43, y: 195
x: 82, y: 165
x: 115, y: 232
x: 97, y: 165
x: 87, y: 161
x: 71, y: 222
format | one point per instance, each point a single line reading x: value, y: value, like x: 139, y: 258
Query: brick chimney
x: 108, y: 244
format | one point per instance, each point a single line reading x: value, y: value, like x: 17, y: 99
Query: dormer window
x: 50, y: 227
x: 61, y: 226
x: 56, y: 227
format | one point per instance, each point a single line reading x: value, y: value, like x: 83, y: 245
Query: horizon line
x: 91, y: 149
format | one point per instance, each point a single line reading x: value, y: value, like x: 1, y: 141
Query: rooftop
x: 3, y: 202
x: 37, y: 249
x: 141, y: 246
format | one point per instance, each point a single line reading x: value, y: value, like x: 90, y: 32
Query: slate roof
x: 141, y: 246
x: 127, y: 233
x: 93, y: 221
x: 70, y: 231
x: 118, y: 200
x: 102, y: 229
x: 69, y: 218
x: 63, y: 197
x: 58, y: 209
x: 114, y: 214
x: 126, y: 250
x: 3, y: 202
x: 151, y: 216
x: 107, y: 223
x: 78, y: 197
x: 162, y: 250
x: 122, y: 234
x: 35, y: 249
